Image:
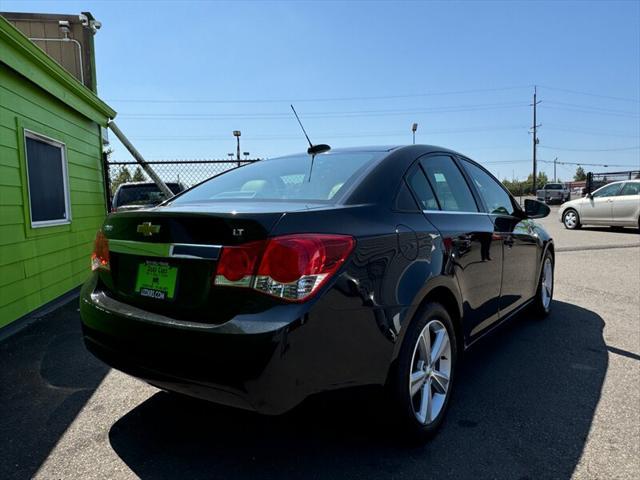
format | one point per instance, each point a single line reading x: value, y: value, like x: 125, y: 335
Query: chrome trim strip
x: 165, y: 250
x: 455, y: 212
x: 132, y: 247
x: 215, y: 251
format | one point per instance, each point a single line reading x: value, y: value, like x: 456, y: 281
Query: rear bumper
x: 267, y: 362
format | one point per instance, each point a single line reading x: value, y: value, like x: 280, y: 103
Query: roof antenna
x: 313, y: 149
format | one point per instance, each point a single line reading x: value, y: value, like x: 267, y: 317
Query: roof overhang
x: 22, y: 55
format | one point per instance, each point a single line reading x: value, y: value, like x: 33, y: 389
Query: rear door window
x: 450, y: 187
x: 497, y: 200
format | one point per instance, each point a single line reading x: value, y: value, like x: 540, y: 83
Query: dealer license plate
x: 156, y: 280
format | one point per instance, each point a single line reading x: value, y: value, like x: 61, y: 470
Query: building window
x: 47, y: 179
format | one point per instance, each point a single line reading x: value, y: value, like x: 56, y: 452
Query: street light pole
x: 414, y: 127
x: 236, y: 133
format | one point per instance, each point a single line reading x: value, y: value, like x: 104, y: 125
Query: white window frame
x: 65, y: 179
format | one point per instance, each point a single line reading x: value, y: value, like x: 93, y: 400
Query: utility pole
x: 555, y: 177
x: 535, y: 139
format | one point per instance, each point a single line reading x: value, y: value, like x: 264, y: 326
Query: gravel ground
x: 557, y: 398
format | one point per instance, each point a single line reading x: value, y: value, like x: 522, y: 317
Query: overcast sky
x: 183, y: 75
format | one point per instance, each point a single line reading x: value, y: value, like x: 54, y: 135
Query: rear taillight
x: 291, y: 267
x: 100, y: 255
x: 237, y: 265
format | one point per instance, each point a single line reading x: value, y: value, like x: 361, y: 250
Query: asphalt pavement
x: 553, y: 398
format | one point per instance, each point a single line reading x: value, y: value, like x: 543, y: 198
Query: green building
x: 52, y: 198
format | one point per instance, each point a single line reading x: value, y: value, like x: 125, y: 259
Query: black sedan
x: 307, y: 273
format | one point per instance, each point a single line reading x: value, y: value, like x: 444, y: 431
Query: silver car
x: 616, y: 204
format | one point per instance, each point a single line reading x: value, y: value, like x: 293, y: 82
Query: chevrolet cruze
x: 308, y: 273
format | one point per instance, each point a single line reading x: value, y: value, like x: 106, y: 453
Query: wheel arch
x: 548, y: 247
x: 442, y: 290
x: 575, y: 208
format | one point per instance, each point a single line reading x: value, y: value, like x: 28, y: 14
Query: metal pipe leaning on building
x: 145, y: 166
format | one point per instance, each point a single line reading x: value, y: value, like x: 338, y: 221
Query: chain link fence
x: 597, y: 180
x: 188, y: 172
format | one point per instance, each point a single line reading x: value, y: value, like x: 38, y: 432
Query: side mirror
x: 535, y: 209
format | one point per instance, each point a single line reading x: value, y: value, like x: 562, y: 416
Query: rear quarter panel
x: 397, y: 260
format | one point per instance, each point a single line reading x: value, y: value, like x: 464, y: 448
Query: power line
x: 583, y: 164
x: 330, y: 135
x: 591, y: 107
x: 595, y: 112
x: 318, y: 114
x: 323, y: 99
x: 577, y: 92
x: 603, y: 133
x: 549, y: 147
x: 369, y: 97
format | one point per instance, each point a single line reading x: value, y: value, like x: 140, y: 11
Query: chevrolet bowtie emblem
x: 147, y: 229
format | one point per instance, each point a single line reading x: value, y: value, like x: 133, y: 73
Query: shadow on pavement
x: 523, y: 408
x: 46, y: 378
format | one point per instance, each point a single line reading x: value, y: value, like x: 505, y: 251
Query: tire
x: 544, y: 292
x: 571, y: 219
x: 432, y: 384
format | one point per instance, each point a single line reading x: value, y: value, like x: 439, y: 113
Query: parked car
x: 298, y: 275
x: 554, y: 192
x: 616, y: 204
x: 138, y: 195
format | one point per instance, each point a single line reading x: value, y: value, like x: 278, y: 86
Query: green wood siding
x: 38, y: 265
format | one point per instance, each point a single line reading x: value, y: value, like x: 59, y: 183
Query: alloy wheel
x: 430, y: 372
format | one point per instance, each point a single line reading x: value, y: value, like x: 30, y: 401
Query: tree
x: 580, y: 175
x: 514, y: 186
x: 138, y: 176
x: 527, y: 185
x: 123, y: 176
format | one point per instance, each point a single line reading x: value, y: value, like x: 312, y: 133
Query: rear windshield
x: 553, y: 186
x: 286, y: 178
x: 143, y: 194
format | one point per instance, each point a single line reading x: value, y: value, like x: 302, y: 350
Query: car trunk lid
x: 164, y: 259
